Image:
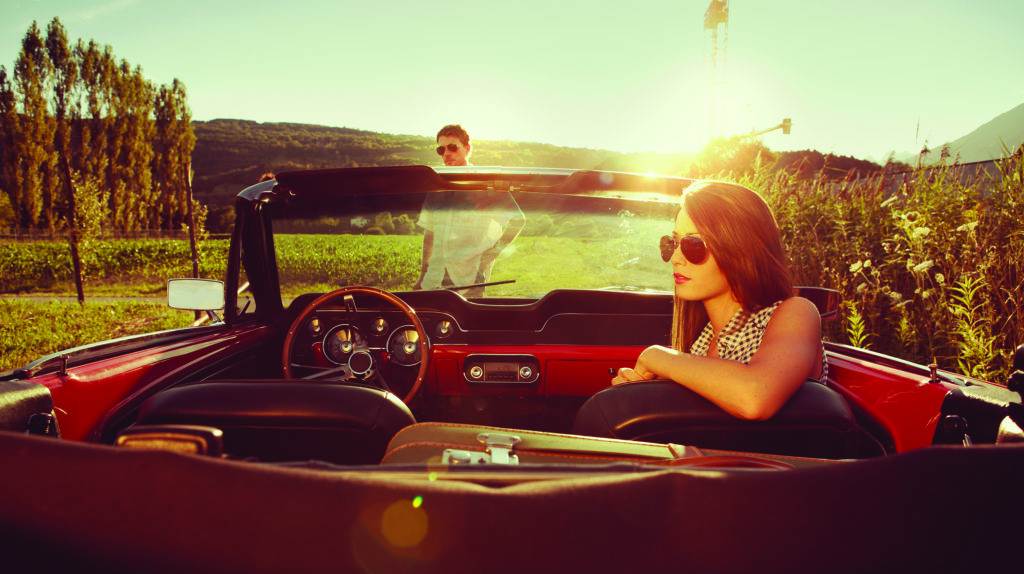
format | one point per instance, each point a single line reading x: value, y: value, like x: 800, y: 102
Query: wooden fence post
x: 76, y: 260
x: 191, y: 224
x: 191, y: 220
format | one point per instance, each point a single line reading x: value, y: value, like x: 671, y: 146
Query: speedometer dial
x: 404, y: 346
x: 340, y: 342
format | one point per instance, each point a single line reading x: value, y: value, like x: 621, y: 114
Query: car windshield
x: 521, y: 245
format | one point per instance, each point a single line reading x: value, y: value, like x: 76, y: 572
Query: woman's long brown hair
x: 744, y: 238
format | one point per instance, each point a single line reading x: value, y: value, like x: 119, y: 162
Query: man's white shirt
x: 461, y: 235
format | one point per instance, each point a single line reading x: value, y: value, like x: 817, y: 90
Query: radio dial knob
x: 476, y: 372
x: 525, y: 373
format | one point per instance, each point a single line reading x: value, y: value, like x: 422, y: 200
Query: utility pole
x: 716, y: 22
x: 786, y: 126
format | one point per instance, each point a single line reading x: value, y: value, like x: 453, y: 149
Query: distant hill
x: 986, y: 142
x: 809, y: 163
x: 232, y: 154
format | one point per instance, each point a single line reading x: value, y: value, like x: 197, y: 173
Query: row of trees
x: 84, y: 134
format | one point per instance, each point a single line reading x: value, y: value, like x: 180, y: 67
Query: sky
x: 857, y: 77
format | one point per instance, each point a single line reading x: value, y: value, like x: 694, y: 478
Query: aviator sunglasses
x: 692, y: 247
x: 451, y: 147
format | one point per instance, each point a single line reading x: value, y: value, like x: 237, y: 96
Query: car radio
x: 508, y: 369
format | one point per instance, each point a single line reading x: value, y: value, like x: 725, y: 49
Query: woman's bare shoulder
x: 797, y: 311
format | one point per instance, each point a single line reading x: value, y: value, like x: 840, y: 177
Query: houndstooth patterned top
x: 741, y: 337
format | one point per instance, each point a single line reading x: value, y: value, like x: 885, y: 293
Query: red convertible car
x: 408, y: 369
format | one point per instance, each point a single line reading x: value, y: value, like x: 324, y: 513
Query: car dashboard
x: 491, y: 359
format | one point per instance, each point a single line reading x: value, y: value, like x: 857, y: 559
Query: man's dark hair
x: 455, y: 131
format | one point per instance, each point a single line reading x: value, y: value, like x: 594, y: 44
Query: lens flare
x: 404, y: 525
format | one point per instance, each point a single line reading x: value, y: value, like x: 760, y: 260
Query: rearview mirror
x: 195, y: 294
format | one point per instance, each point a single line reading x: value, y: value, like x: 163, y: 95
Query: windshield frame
x: 315, y: 190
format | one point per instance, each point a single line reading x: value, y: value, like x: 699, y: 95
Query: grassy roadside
x: 31, y: 329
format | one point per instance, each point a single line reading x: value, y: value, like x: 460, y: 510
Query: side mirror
x: 195, y: 294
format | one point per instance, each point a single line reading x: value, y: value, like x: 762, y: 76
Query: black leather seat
x: 816, y: 421
x: 277, y: 420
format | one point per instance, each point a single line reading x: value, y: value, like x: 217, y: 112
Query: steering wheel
x: 361, y: 354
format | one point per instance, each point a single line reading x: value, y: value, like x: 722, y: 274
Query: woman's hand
x: 640, y: 372
x: 653, y: 356
x: 628, y: 375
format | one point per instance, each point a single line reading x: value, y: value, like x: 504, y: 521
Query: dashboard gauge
x: 380, y: 326
x: 315, y: 327
x: 444, y: 329
x: 340, y: 342
x: 404, y: 346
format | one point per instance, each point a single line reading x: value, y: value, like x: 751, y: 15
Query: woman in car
x: 740, y: 338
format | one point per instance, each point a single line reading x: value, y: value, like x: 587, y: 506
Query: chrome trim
x: 358, y: 352
x: 536, y: 374
x: 32, y: 368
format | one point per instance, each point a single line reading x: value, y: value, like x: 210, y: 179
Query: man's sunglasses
x: 451, y: 147
x: 692, y: 247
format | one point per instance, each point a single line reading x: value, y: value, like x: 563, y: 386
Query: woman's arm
x: 788, y: 355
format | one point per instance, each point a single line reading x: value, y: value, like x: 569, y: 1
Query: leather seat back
x: 26, y: 407
x: 816, y: 421
x: 278, y: 420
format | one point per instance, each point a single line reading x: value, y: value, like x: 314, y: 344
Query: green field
x: 30, y: 329
x: 315, y: 262
x: 32, y: 271
x: 111, y: 267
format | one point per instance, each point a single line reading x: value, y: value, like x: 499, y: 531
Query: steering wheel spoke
x: 343, y: 370
x: 370, y: 360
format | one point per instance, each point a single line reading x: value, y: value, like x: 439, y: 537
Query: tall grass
x: 931, y: 267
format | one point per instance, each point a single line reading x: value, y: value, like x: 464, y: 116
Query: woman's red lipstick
x: 680, y: 278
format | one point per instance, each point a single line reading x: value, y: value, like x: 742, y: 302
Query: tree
x: 96, y: 70
x: 173, y: 143
x: 65, y: 76
x: 35, y: 160
x: 73, y: 115
x: 8, y: 144
x: 734, y: 155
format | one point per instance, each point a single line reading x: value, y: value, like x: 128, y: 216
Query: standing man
x: 464, y: 232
